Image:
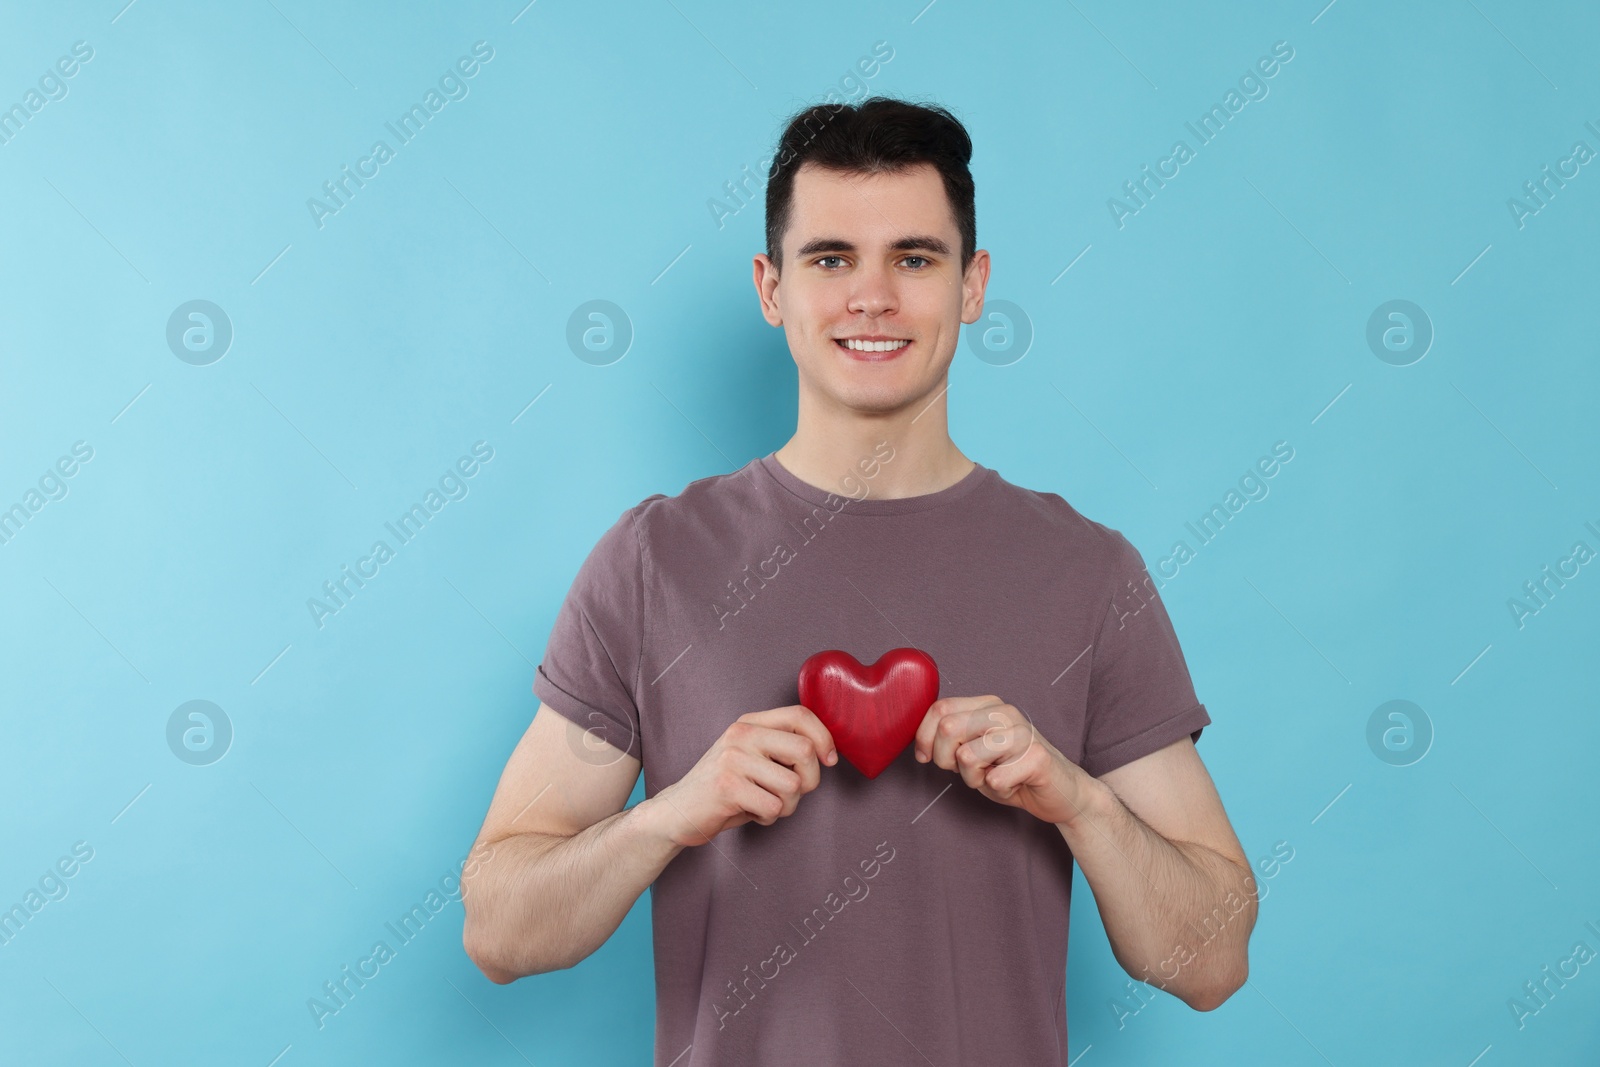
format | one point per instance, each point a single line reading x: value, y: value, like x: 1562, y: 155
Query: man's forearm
x: 1178, y: 914
x: 542, y: 902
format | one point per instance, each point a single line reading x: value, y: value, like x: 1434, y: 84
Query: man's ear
x: 766, y: 279
x: 973, y: 283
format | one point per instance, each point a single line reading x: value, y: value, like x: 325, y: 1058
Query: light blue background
x: 369, y: 354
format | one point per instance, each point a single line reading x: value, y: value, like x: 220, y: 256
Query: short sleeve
x: 1141, y: 697
x: 590, y: 670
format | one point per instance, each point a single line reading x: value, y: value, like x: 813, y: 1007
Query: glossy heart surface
x: 872, y: 711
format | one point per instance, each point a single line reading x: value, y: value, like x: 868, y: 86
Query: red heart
x: 873, y: 712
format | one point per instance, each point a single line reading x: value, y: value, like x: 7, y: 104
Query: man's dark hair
x: 878, y: 135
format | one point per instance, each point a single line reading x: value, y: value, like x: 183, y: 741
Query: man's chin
x: 881, y: 401
x: 876, y: 395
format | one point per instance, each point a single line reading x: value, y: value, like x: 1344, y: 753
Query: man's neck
x: 830, y: 445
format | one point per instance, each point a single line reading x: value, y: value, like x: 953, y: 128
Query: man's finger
x: 956, y: 729
x: 780, y: 745
x: 792, y: 751
x: 995, y: 747
x: 775, y: 778
x: 760, y: 804
x: 810, y: 726
x: 1010, y: 741
x: 938, y: 711
x: 801, y: 721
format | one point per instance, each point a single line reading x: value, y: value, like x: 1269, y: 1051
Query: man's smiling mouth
x: 871, y: 345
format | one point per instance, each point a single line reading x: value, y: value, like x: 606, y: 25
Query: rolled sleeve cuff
x: 611, y: 727
x: 1153, y: 739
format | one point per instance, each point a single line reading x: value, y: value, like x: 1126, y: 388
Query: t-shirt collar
x: 840, y: 502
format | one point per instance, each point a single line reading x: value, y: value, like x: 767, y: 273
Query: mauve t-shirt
x: 905, y: 919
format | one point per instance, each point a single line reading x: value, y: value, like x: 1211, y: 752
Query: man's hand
x: 1161, y: 883
x: 757, y: 770
x: 1000, y: 754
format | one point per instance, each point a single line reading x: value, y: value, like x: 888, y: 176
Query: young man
x: 803, y: 913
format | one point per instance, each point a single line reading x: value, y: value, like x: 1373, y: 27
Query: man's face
x: 871, y: 258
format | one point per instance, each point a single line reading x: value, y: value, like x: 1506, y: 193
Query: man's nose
x: 873, y: 292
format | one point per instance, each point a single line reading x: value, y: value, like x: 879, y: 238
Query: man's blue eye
x: 916, y: 262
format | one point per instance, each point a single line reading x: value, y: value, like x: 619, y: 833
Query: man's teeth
x: 875, y: 346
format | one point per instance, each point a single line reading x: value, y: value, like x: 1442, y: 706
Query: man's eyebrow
x: 917, y: 242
